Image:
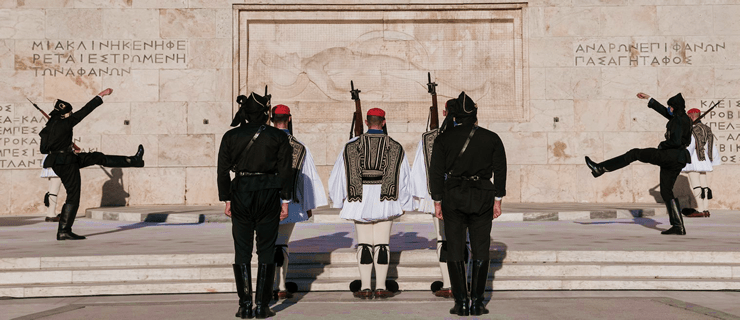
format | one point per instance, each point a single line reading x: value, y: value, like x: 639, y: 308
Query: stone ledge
x: 517, y: 212
x: 408, y: 284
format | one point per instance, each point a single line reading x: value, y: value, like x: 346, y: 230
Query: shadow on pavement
x: 323, y: 245
x: 497, y: 255
x: 645, y: 222
x: 140, y: 225
x: 20, y: 221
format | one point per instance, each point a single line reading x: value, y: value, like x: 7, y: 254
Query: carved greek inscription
x: 642, y: 53
x: 725, y: 125
x: 101, y: 57
x: 19, y: 138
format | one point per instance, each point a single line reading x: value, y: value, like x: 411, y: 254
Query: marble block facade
x: 556, y: 79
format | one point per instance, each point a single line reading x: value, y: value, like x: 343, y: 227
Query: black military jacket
x: 678, y: 131
x: 271, y: 153
x: 484, y: 156
x: 60, y: 133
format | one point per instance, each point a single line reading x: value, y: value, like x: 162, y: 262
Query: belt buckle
x: 474, y: 178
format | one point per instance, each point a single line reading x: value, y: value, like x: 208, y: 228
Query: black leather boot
x: 243, y: 277
x: 66, y: 220
x: 459, y: 283
x: 596, y: 169
x: 675, y: 218
x: 478, y: 287
x: 612, y: 164
x: 265, y: 278
x: 126, y: 162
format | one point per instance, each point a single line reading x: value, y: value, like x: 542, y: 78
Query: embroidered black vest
x: 373, y: 159
x: 299, y: 154
x: 427, y: 140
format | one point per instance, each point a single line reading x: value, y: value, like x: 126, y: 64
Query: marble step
x: 349, y: 255
x: 408, y: 284
x: 201, y: 214
x: 349, y: 271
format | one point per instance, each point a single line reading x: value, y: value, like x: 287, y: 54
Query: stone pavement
x: 511, y: 212
x: 408, y: 305
x: 30, y: 236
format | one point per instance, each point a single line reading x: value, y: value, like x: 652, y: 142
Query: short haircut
x: 280, y: 118
x: 375, y: 120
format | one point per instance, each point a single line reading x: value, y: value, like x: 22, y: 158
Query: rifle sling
x: 249, y: 145
x: 462, y: 151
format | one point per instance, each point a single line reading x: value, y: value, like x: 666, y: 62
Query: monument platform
x: 587, y: 253
x: 511, y: 212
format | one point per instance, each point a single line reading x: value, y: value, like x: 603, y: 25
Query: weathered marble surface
x: 520, y: 68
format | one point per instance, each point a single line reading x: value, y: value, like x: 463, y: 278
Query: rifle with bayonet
x: 433, y: 110
x: 357, y: 118
x: 74, y: 146
x: 707, y: 112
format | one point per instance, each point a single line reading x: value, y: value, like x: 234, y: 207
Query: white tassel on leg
x: 695, y: 181
x: 54, y: 185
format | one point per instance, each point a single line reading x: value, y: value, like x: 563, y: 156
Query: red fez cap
x: 376, y: 112
x: 694, y: 110
x: 281, y: 109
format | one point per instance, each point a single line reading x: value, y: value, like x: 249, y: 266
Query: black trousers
x: 69, y: 172
x: 667, y: 160
x: 254, y: 212
x: 471, y: 210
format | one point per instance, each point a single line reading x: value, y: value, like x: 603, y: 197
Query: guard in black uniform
x: 671, y: 155
x: 463, y: 158
x: 56, y: 141
x: 261, y: 158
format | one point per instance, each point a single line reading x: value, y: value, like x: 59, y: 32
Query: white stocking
x: 364, y: 236
x: 281, y: 272
x: 694, y: 179
x: 381, y: 238
x: 439, y: 226
x: 703, y: 177
x: 54, y: 184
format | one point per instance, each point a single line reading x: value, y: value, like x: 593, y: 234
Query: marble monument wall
x: 556, y: 79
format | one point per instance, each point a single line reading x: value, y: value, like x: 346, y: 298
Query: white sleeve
x: 692, y: 148
x: 313, y: 190
x: 716, y: 158
x: 404, y: 193
x: 338, y: 182
x: 419, y: 174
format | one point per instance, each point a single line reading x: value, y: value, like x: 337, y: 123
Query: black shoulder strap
x: 249, y: 145
x: 465, y: 146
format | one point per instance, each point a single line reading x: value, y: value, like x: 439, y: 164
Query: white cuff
x: 286, y: 201
x: 497, y: 198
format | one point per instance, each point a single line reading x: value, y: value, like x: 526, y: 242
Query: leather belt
x: 60, y: 152
x: 249, y: 174
x: 470, y: 178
